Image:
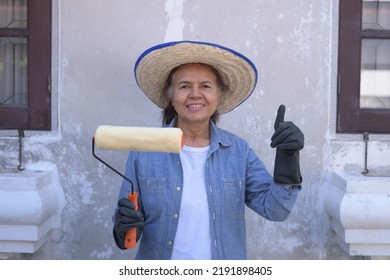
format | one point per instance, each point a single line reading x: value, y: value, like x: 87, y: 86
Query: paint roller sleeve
x: 139, y: 138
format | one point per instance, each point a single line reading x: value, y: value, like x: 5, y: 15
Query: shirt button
x: 178, y: 189
x: 170, y: 242
x: 175, y: 216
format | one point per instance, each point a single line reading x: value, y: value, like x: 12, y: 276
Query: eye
x: 207, y: 87
x: 183, y: 87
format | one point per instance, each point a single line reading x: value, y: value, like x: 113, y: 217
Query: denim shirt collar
x: 218, y: 136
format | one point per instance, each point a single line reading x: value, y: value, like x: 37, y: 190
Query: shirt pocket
x: 234, y: 197
x: 152, y: 192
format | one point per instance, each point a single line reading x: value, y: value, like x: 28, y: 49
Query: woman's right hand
x: 126, y: 218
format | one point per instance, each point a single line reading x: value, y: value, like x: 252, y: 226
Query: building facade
x: 57, y: 200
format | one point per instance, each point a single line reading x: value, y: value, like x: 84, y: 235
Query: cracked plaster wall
x: 293, y: 45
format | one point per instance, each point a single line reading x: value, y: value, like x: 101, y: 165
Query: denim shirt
x: 235, y: 177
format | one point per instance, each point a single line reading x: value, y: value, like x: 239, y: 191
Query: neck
x: 195, y: 135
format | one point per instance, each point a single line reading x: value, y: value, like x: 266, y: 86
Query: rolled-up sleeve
x: 267, y: 198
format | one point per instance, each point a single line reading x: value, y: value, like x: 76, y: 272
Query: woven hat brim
x: 154, y: 66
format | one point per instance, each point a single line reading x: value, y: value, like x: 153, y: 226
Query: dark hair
x: 169, y: 112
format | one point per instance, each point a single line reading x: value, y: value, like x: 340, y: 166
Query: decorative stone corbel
x: 30, y: 206
x: 359, y: 208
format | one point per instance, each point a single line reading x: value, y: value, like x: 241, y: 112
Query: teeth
x: 195, y: 105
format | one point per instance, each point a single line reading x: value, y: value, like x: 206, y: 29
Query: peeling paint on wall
x: 291, y: 44
x: 175, y: 27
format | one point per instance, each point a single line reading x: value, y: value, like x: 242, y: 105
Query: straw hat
x: 155, y: 64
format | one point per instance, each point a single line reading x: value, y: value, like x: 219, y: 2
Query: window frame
x: 37, y: 114
x: 350, y: 117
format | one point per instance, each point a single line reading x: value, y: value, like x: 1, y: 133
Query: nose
x: 195, y: 93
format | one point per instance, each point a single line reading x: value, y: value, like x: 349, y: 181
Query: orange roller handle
x: 131, y: 235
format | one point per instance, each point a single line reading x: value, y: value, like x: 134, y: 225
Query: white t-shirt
x: 192, y: 240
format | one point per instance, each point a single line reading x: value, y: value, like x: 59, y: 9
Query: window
x: 364, y: 67
x: 25, y: 63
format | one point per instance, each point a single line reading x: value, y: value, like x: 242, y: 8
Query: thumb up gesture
x: 288, y: 140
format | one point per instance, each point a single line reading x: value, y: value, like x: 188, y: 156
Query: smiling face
x: 195, y: 93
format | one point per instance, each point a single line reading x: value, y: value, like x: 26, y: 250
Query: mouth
x: 195, y: 106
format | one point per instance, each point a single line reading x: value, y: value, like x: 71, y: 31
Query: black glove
x: 126, y: 218
x: 288, y: 140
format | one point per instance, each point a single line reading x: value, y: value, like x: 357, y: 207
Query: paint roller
x: 147, y: 139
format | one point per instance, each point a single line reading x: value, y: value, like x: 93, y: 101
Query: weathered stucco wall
x: 95, y: 45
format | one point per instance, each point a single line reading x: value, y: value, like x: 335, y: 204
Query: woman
x: 192, y: 204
